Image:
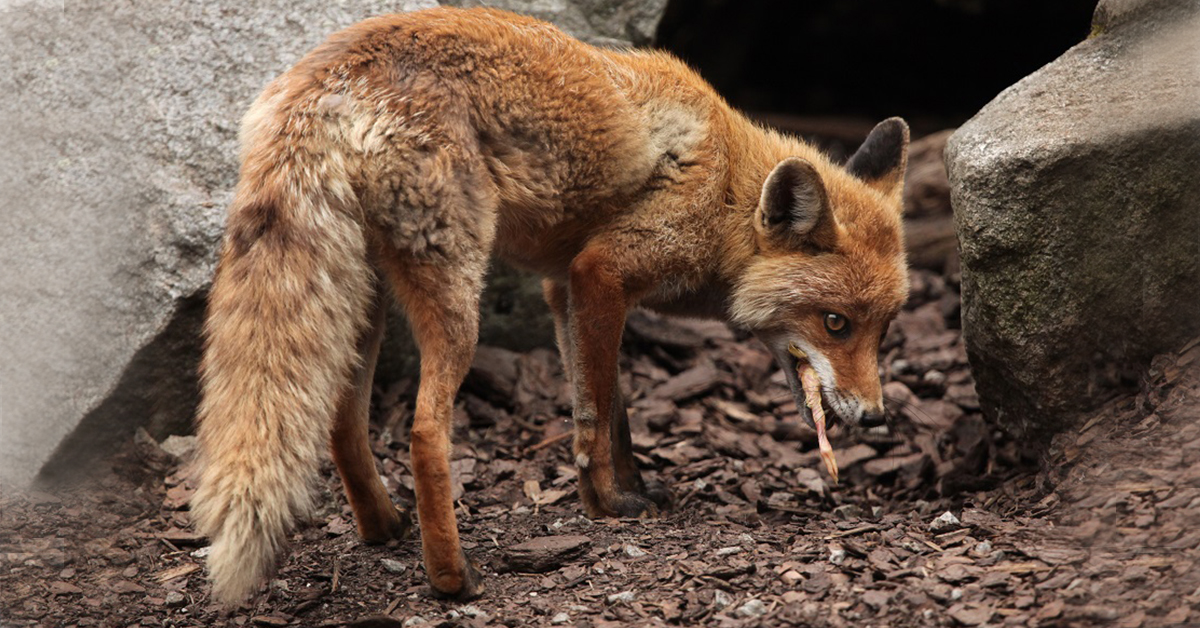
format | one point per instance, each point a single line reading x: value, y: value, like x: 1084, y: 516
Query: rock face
x: 1077, y: 206
x: 600, y: 22
x: 118, y: 127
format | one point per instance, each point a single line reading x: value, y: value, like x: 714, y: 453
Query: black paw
x: 634, y: 506
x: 397, y: 528
x: 402, y: 527
x: 658, y: 493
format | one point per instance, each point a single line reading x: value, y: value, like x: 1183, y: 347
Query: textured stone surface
x: 600, y: 22
x: 119, y: 124
x: 118, y: 127
x: 1077, y: 205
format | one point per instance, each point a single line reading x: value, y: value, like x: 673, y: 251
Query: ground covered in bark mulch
x: 939, y: 520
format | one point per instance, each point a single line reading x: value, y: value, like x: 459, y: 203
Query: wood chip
x: 381, y: 621
x: 545, y: 553
x: 662, y: 331
x: 690, y: 383
x: 175, y: 572
x: 971, y: 615
x: 181, y: 537
x: 63, y: 588
x: 270, y: 620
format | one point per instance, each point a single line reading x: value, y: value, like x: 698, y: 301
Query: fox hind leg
x: 442, y: 304
x: 378, y: 519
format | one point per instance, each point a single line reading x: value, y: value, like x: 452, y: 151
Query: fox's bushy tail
x: 287, y: 303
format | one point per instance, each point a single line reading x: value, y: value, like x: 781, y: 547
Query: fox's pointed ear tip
x: 883, y: 155
x: 895, y: 124
x: 795, y: 163
x: 792, y: 170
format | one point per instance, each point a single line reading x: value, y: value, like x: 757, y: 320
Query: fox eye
x: 837, y: 325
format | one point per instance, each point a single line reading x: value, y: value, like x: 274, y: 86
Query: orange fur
x: 409, y: 149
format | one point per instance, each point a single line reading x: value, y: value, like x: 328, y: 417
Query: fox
x: 402, y: 155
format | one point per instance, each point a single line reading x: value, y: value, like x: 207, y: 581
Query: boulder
x: 614, y: 23
x: 118, y: 128
x: 1077, y: 208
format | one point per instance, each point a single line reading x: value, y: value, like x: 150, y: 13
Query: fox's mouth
x: 792, y: 360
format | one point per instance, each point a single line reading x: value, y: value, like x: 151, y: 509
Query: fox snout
x: 853, y: 410
x: 874, y: 418
x: 847, y: 407
x: 860, y: 405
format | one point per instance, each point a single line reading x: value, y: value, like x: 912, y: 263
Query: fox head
x: 829, y: 273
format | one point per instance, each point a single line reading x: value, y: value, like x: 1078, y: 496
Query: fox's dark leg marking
x: 629, y: 478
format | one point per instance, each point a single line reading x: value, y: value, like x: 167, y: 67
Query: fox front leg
x: 597, y: 301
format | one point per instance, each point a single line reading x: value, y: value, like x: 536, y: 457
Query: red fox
x: 404, y: 152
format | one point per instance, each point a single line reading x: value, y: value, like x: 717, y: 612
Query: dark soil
x: 940, y: 520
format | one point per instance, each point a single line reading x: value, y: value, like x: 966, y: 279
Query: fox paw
x: 622, y: 504
x: 465, y: 586
x: 658, y: 493
x: 398, y: 527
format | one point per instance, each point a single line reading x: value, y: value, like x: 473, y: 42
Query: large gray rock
x: 117, y: 159
x: 601, y: 22
x: 119, y: 124
x: 1077, y: 201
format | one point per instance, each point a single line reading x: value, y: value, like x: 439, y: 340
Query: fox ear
x: 794, y: 207
x: 881, y: 159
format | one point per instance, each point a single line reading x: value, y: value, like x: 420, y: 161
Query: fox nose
x: 873, y: 418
